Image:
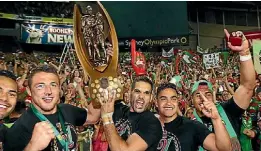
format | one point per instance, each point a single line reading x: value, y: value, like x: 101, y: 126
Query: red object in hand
x: 235, y: 41
x: 138, y: 61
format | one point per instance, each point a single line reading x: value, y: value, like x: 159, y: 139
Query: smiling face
x: 140, y: 97
x: 8, y: 96
x: 45, y: 92
x: 167, y: 103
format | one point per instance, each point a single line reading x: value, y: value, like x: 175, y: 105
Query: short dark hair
x: 164, y: 86
x: 41, y: 68
x: 8, y: 74
x: 142, y: 79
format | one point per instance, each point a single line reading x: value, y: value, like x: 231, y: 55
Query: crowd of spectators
x: 38, y: 8
x: 225, y: 78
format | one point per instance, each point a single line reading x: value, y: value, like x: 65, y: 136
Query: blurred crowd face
x: 219, y: 97
x: 189, y: 113
x: 76, y: 73
x: 71, y: 89
x: 226, y: 95
x: 8, y: 96
x: 67, y: 70
x: 229, y: 76
x: 129, y: 82
x: 180, y: 96
x: 141, y: 96
x: 45, y: 92
x: 86, y: 90
x: 167, y: 103
x: 126, y: 98
x: 21, y: 72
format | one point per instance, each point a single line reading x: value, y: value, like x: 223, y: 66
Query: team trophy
x: 96, y: 46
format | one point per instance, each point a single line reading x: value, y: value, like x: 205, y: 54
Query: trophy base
x: 101, y: 87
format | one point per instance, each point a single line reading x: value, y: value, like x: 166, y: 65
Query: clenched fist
x: 41, y: 137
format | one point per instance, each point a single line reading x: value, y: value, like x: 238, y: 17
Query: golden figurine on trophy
x: 96, y: 45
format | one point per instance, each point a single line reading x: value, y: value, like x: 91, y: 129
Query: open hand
x: 107, y: 101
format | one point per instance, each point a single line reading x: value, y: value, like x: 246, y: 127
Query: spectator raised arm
x: 244, y: 92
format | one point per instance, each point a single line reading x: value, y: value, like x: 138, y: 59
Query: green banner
x: 58, y: 20
x: 224, y: 56
x: 257, y: 55
x: 8, y: 16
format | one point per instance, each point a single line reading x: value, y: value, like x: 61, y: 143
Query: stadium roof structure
x: 227, y: 5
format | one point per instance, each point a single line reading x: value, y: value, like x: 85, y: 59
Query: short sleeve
x: 232, y: 108
x: 75, y: 115
x: 201, y: 132
x: 17, y: 137
x: 120, y: 110
x: 150, y: 129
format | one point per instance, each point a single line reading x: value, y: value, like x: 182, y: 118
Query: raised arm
x: 15, y: 67
x: 244, y: 92
x: 135, y: 142
x: 220, y: 140
x: 228, y: 87
x: 21, y: 81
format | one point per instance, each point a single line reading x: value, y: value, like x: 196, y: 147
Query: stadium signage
x: 156, y: 41
x: 46, y: 34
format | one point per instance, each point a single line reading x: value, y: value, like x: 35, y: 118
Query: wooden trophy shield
x: 96, y: 46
